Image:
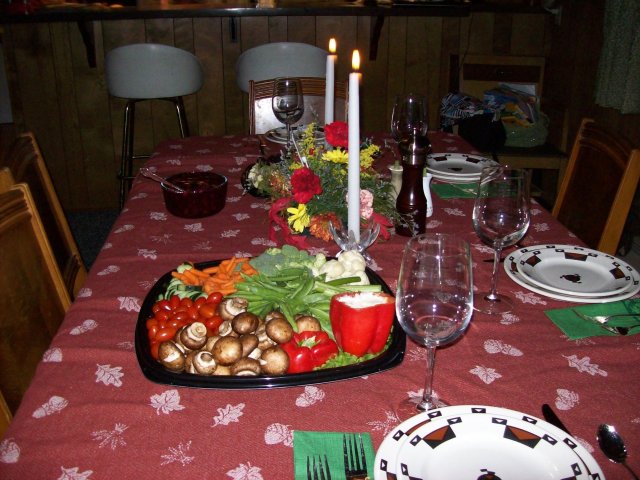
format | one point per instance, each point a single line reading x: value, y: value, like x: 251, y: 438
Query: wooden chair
x: 34, y: 299
x: 5, y: 416
x: 599, y: 186
x: 478, y: 73
x: 262, y: 119
x: 26, y: 164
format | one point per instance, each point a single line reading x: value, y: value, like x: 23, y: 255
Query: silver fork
x: 355, y: 463
x: 603, y: 319
x: 318, y: 471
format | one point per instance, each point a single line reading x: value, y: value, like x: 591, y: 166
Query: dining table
x: 91, y: 412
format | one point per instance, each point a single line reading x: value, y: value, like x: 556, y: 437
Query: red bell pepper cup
x: 361, y: 321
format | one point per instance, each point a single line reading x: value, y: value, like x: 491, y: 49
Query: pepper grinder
x: 411, y: 203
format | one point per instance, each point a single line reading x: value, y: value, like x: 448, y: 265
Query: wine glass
x: 500, y: 218
x: 410, y: 117
x: 434, y: 298
x: 287, y: 102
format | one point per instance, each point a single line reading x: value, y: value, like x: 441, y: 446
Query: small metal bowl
x: 205, y: 194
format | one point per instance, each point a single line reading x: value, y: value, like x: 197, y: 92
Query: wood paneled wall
x: 58, y: 95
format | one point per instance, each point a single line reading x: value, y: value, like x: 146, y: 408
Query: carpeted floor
x: 90, y: 230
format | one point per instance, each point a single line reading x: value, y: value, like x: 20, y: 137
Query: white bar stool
x: 280, y: 59
x: 146, y: 71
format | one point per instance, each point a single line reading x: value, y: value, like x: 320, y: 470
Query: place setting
x: 573, y: 274
x: 457, y: 168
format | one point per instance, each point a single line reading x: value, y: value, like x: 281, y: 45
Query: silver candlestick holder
x: 346, y: 240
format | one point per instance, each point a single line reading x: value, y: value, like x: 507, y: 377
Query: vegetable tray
x: 155, y: 372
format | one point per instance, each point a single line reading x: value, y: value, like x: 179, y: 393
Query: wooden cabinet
x: 58, y: 89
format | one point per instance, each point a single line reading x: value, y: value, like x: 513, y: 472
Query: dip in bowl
x: 205, y: 194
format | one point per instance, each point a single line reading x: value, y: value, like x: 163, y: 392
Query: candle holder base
x: 346, y: 239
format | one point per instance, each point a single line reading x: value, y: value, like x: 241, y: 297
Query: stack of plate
x: 480, y: 442
x: 573, y: 274
x: 279, y: 135
x: 457, y: 167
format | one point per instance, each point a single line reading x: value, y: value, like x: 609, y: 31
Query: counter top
x: 240, y: 8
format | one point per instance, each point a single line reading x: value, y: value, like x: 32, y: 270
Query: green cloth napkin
x: 455, y: 190
x: 307, y: 444
x: 575, y: 327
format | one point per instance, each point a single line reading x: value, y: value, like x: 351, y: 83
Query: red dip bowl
x: 205, y: 194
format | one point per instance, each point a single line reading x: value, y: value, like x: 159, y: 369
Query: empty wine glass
x: 500, y: 219
x: 410, y: 117
x: 287, y: 102
x: 434, y: 298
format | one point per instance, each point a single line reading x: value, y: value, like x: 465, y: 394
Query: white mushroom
x: 204, y: 363
x: 194, y: 336
x: 171, y: 356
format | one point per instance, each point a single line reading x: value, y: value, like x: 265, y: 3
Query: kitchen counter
x: 244, y: 8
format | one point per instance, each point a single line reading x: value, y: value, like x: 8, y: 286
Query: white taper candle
x: 330, y: 83
x: 353, y: 192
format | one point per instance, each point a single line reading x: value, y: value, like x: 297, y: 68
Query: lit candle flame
x: 332, y: 46
x: 355, y: 60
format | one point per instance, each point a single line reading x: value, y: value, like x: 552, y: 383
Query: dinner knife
x: 551, y: 417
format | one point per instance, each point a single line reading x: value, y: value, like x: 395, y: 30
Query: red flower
x: 305, y: 184
x: 337, y: 134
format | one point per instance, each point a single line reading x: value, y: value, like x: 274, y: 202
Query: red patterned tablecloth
x: 91, y: 414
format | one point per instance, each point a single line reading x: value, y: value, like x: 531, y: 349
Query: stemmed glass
x: 434, y: 298
x: 287, y: 102
x: 500, y: 219
x: 410, y: 117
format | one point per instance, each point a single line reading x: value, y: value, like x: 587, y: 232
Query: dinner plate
x: 155, y: 372
x: 482, y: 442
x: 279, y: 135
x: 511, y: 267
x: 453, y: 179
x: 457, y: 164
x: 575, y: 271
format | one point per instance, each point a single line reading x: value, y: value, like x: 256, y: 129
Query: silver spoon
x: 154, y: 176
x: 613, y: 447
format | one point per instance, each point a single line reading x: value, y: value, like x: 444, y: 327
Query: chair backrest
x: 478, y: 73
x: 26, y: 165
x: 151, y: 70
x: 262, y: 119
x: 34, y: 299
x: 598, y: 187
x: 280, y: 59
x: 5, y: 415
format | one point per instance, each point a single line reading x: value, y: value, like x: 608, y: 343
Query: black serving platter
x: 155, y: 372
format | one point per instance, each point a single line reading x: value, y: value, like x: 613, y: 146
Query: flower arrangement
x: 308, y: 187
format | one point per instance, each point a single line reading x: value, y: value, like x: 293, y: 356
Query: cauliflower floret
x: 333, y: 269
x: 352, y: 261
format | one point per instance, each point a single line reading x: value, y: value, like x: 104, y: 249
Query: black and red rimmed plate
x: 482, y: 442
x: 155, y: 372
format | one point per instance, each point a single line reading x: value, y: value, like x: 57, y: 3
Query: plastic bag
x: 531, y: 135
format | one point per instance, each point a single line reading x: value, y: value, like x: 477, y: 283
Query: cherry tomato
x: 175, y: 323
x: 174, y: 301
x: 166, y: 333
x: 152, y: 331
x: 154, y: 348
x: 182, y: 316
x: 213, y: 324
x: 161, y: 305
x: 151, y: 322
x: 192, y: 311
x: 186, y: 302
x: 208, y: 310
x: 198, y: 302
x: 162, y: 315
x: 214, y: 297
